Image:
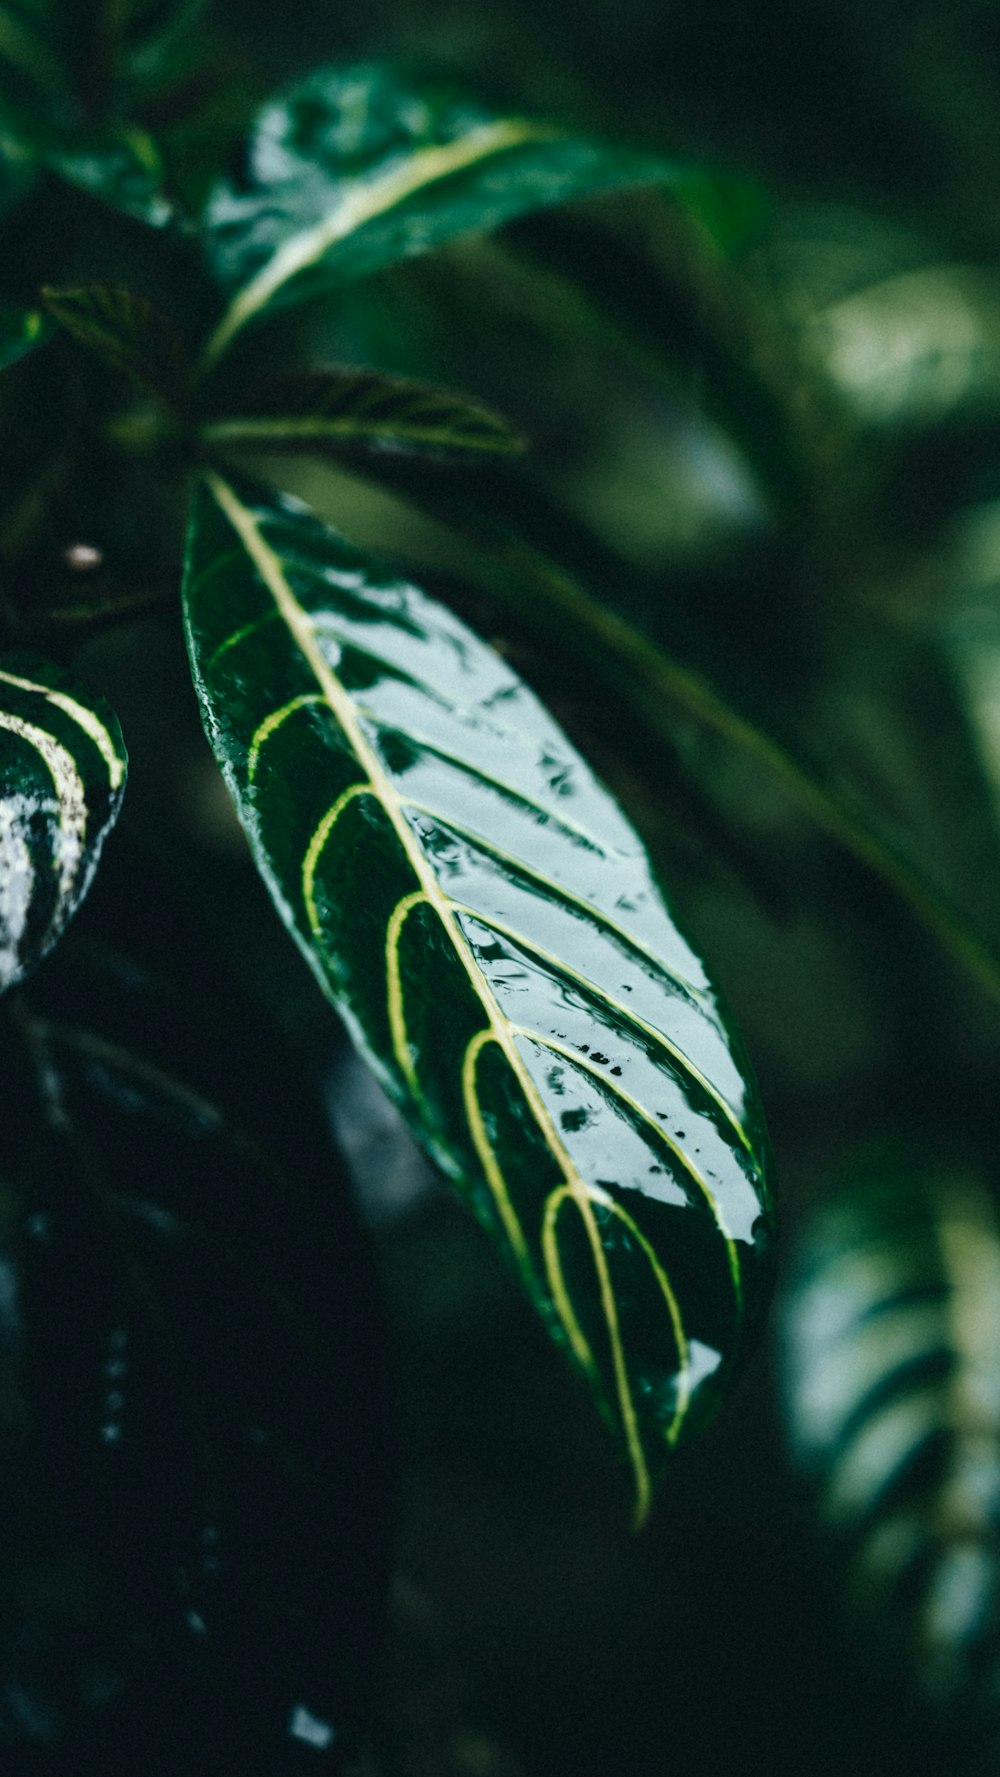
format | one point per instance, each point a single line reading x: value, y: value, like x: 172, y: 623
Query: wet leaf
x: 129, y: 332
x: 192, y: 1405
x: 892, y: 1335
x: 352, y: 169
x: 337, y: 410
x: 62, y: 776
x: 488, y: 923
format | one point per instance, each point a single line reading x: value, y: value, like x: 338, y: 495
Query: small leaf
x: 488, y: 923
x: 196, y: 1375
x: 129, y: 332
x: 62, y: 776
x: 352, y: 169
x: 892, y: 1334
x: 337, y: 410
x: 21, y: 331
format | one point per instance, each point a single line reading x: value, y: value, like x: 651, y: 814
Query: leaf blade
x: 338, y: 409
x: 890, y: 1382
x: 130, y: 333
x: 353, y: 169
x: 62, y: 770
x: 427, y: 863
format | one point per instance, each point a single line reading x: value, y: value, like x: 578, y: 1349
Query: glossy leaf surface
x: 129, y: 332
x: 338, y: 410
x: 192, y: 1405
x: 354, y: 168
x: 62, y: 776
x: 487, y: 921
x: 892, y: 1335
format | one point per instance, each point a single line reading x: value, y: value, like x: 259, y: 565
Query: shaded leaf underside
x: 487, y: 922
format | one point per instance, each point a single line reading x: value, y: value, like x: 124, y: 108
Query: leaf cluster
x: 529, y: 512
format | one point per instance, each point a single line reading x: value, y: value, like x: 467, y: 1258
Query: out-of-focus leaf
x: 194, y: 1555
x: 915, y: 349
x: 129, y: 332
x: 354, y: 168
x: 892, y: 1337
x: 62, y: 776
x: 19, y: 166
x: 21, y: 330
x: 120, y: 167
x: 26, y: 49
x: 489, y: 924
x: 338, y: 410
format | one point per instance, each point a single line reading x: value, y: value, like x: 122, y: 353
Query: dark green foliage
x: 621, y: 388
x: 489, y: 926
x: 892, y: 1331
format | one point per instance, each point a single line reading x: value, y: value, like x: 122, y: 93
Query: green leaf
x: 488, y: 923
x: 129, y: 332
x: 25, y: 49
x: 354, y: 168
x: 337, y: 410
x: 62, y: 776
x: 121, y: 167
x: 892, y: 1335
x: 21, y: 330
x: 192, y: 1395
x: 513, y: 530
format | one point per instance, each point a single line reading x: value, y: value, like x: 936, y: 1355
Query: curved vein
x: 553, y: 1265
x: 84, y: 718
x: 271, y: 723
x: 71, y: 795
x: 486, y: 1151
x: 612, y: 1086
x: 561, y: 893
x: 397, y: 1016
x: 315, y: 848
x: 615, y: 1005
x: 551, y: 1246
x: 300, y: 627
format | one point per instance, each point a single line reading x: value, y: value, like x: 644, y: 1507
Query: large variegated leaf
x: 62, y: 775
x: 354, y: 168
x: 487, y: 920
x: 892, y: 1336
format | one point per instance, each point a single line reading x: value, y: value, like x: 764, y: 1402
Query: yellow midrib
x: 300, y: 627
x: 361, y: 205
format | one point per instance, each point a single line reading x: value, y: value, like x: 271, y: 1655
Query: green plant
x: 751, y: 603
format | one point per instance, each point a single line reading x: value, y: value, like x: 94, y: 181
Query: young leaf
x: 62, y: 776
x: 326, y: 411
x: 197, y: 1361
x: 129, y: 332
x: 487, y: 921
x: 354, y: 168
x: 892, y: 1333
